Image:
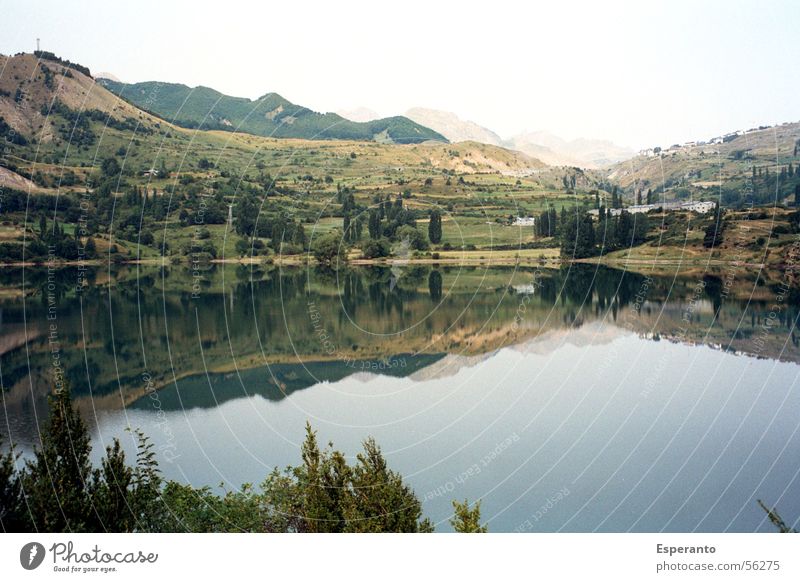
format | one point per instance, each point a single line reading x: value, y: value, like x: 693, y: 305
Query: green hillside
x: 270, y: 115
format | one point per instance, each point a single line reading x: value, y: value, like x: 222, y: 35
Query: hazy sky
x: 637, y: 74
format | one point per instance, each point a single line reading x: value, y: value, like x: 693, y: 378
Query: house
x: 151, y: 173
x: 524, y: 221
x: 702, y: 207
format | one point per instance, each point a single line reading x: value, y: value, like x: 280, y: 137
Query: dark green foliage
x: 411, y: 236
x: 48, y: 56
x: 76, y: 128
x: 12, y: 508
x: 329, y: 249
x: 577, y: 236
x: 378, y: 500
x: 270, y: 115
x: 435, y: 285
x: 375, y: 249
x: 8, y: 135
x: 59, y: 491
x: 546, y: 224
x: 110, y: 167
x: 322, y: 494
x: 435, y: 227
x: 713, y: 236
x: 58, y: 483
x: 374, y: 224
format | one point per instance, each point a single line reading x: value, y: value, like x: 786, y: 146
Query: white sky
x: 638, y: 75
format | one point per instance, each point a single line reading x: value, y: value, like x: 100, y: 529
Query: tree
x: 416, y: 240
x: 374, y: 224
x: 466, y: 520
x: 243, y: 246
x: 110, y: 167
x: 435, y: 227
x: 328, y: 249
x: 375, y: 249
x: 246, y: 215
x: 112, y: 501
x: 58, y: 482
x: 321, y: 486
x: 380, y: 501
x: 11, y: 501
x: 577, y: 236
x: 713, y: 233
x: 623, y: 230
x: 616, y: 200
x: 91, y: 248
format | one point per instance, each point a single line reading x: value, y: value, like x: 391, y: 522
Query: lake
x: 573, y: 399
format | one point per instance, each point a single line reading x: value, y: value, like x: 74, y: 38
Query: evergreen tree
x: 466, y: 519
x: 374, y: 224
x: 380, y: 501
x: 322, y: 486
x: 713, y: 236
x: 112, y: 501
x: 435, y: 227
x: 623, y: 230
x: 615, y: 200
x: 58, y: 482
x: 12, y: 509
x: 348, y: 232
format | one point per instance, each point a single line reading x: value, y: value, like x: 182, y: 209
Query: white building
x: 700, y: 207
x: 703, y: 207
x: 524, y: 221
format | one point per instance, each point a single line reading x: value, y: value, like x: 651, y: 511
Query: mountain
x: 754, y: 166
x: 270, y: 115
x: 37, y: 93
x: 452, y: 127
x: 555, y: 151
x: 549, y: 148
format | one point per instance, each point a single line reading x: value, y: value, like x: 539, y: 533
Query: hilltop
x: 549, y: 148
x: 36, y: 93
x: 755, y: 166
x: 270, y: 115
x: 452, y: 127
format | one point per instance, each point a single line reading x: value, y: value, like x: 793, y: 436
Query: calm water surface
x: 572, y: 400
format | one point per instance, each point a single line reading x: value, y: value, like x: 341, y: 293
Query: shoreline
x: 484, y: 258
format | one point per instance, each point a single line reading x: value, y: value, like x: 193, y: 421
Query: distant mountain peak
x: 551, y: 149
x: 453, y: 127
